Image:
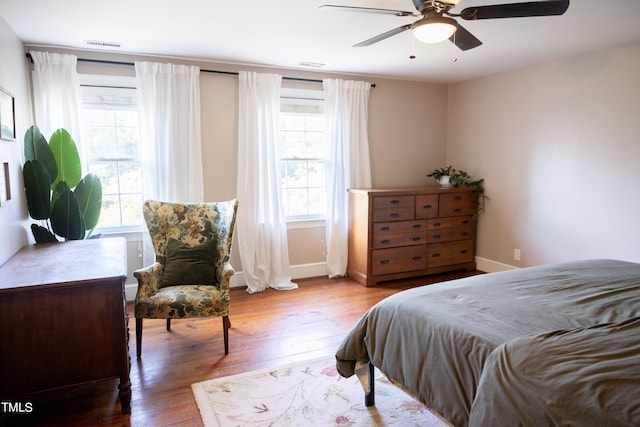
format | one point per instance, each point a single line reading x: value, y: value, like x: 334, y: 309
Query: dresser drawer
x: 457, y: 204
x: 438, y: 255
x: 393, y: 227
x: 402, y: 239
x: 397, y: 260
x: 458, y: 252
x: 393, y: 214
x: 436, y: 236
x: 393, y: 202
x: 462, y: 251
x: 426, y: 206
x: 399, y: 233
x: 451, y: 228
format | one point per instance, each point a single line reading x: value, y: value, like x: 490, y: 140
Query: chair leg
x: 168, y: 324
x: 138, y: 337
x: 226, y: 324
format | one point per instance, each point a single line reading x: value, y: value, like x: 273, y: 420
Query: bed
x: 548, y: 345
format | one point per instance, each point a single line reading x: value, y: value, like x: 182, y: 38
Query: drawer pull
x: 384, y: 261
x: 457, y: 210
x: 394, y: 215
x: 436, y: 236
x: 464, y: 251
x: 384, y: 228
x: 416, y: 226
x: 458, y: 198
x: 464, y: 233
x: 437, y: 224
x: 416, y: 258
x: 435, y: 256
x: 427, y: 207
x: 465, y: 222
x: 384, y: 242
x: 416, y: 239
x: 394, y: 201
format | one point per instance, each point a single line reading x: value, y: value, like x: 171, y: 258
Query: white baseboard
x: 130, y: 290
x: 317, y: 269
x: 299, y: 271
x: 490, y: 266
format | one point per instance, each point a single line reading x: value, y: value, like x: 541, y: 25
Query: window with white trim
x: 302, y: 154
x: 112, y: 145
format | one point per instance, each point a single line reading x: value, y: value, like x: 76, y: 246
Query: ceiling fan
x: 436, y: 23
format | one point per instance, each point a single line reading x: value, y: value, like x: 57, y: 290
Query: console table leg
x: 125, y: 395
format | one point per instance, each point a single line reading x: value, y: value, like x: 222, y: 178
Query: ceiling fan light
x: 434, y: 29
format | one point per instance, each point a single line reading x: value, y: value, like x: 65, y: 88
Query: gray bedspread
x: 466, y: 347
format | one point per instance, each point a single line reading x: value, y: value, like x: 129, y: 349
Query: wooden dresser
x: 396, y: 233
x: 63, y: 319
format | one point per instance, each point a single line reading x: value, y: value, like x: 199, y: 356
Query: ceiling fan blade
x: 516, y: 10
x: 383, y: 36
x: 463, y: 39
x: 369, y: 10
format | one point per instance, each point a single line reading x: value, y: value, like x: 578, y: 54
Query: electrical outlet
x: 516, y: 254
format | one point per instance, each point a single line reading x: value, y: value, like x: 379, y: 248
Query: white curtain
x: 56, y: 94
x: 261, y: 227
x: 169, y: 105
x: 347, y: 163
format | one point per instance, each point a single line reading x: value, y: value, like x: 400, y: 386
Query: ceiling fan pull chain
x: 453, y: 50
x: 413, y: 45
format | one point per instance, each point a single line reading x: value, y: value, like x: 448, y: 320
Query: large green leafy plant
x: 55, y: 190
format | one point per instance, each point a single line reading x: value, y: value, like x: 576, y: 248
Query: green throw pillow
x: 186, y: 265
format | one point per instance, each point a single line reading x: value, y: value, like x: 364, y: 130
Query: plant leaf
x: 37, y: 189
x: 66, y: 219
x: 65, y: 152
x: 42, y: 235
x: 88, y: 192
x: 36, y: 148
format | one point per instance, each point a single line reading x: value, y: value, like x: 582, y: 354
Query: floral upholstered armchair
x: 191, y: 273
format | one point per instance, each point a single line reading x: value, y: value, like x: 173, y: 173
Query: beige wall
x: 559, y: 147
x: 13, y: 78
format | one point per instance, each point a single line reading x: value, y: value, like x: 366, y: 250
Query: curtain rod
x: 234, y: 73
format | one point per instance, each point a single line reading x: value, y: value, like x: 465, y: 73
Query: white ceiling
x: 287, y: 33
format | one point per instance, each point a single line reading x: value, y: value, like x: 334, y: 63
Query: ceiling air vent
x: 98, y: 43
x: 312, y: 64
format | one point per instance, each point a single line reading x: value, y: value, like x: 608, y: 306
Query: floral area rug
x: 309, y: 393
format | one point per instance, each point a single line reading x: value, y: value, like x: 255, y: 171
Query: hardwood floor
x: 267, y: 329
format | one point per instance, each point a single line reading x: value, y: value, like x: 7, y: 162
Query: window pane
x: 315, y: 174
x: 108, y: 174
x: 316, y: 201
x: 110, y: 117
x: 315, y: 123
x: 297, y: 203
x: 130, y: 174
x: 294, y: 143
x: 110, y: 213
x: 131, y: 210
x: 302, y: 164
x: 102, y: 142
x: 127, y: 142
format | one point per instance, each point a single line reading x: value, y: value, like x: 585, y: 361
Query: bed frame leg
x: 369, y: 396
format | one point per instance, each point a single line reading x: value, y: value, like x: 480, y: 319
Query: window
x: 112, y: 145
x: 302, y: 152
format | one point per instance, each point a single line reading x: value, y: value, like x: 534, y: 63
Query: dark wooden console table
x: 63, y: 319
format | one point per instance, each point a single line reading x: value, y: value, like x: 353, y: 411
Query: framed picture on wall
x: 7, y: 116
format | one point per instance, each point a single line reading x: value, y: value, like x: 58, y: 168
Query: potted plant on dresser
x: 451, y: 177
x: 57, y: 194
